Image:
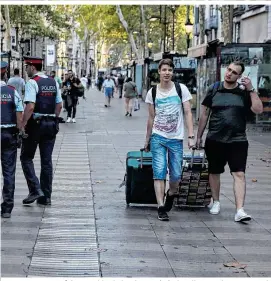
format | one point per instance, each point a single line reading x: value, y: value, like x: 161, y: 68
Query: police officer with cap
x: 11, y: 121
x: 43, y: 106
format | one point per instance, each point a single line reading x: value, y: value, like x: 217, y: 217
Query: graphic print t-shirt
x: 168, y: 121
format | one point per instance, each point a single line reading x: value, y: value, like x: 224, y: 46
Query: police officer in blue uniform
x: 11, y: 122
x: 43, y: 106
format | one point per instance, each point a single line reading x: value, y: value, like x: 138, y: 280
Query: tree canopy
x: 102, y: 24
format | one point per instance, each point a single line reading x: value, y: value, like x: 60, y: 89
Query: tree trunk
x: 202, y: 23
x: 125, y: 25
x: 86, y: 47
x: 7, y: 37
x: 145, y: 32
x: 227, y: 23
x: 74, y: 41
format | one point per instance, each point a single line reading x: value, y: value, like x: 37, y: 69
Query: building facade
x: 251, y: 30
x: 251, y: 23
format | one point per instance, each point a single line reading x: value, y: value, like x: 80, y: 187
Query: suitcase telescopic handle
x: 193, y: 156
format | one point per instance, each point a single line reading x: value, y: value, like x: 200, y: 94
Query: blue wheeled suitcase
x: 139, y: 178
x: 194, y: 188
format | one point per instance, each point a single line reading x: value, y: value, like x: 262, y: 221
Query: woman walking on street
x: 130, y: 93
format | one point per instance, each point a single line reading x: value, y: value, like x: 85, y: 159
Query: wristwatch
x: 252, y: 90
x: 191, y: 137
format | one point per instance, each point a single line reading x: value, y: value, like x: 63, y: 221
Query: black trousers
x: 72, y: 104
x: 43, y: 134
x: 120, y: 87
x: 8, y: 162
x: 64, y: 98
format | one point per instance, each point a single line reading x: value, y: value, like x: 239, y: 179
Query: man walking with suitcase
x: 228, y: 104
x: 168, y: 104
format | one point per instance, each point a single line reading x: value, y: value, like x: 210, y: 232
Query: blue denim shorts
x: 166, y: 154
x: 108, y: 92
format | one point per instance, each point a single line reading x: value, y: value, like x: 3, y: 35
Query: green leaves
x: 39, y: 20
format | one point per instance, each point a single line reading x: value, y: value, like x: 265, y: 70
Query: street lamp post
x: 44, y: 57
x: 22, y: 43
x: 188, y: 27
x: 173, y: 10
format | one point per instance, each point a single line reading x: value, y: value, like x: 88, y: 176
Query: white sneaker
x: 73, y: 120
x: 215, y: 210
x: 241, y: 216
x: 68, y: 120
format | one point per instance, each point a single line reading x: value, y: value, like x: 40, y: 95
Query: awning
x: 197, y: 51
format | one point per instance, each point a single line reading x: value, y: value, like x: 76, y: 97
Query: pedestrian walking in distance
x: 43, y: 105
x: 108, y: 88
x: 11, y: 123
x: 130, y: 93
x: 71, y: 85
x: 228, y: 103
x: 120, y: 84
x: 17, y: 82
x: 168, y: 104
x: 64, y: 92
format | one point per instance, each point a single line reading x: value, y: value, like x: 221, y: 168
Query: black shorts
x: 219, y: 154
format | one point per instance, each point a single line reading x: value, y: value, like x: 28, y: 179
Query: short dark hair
x: 70, y: 70
x: 239, y: 63
x: 38, y: 67
x: 129, y: 79
x: 3, y: 75
x: 53, y: 72
x: 16, y: 71
x: 168, y: 62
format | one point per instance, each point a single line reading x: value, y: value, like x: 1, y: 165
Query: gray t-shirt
x: 229, y: 111
x: 130, y: 89
x: 18, y: 83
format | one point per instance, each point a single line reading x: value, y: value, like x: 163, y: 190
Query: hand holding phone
x: 246, y: 82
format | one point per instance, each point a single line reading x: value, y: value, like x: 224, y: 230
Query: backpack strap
x: 153, y: 92
x: 215, y: 88
x: 179, y: 92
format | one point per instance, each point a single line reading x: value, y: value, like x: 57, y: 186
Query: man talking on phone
x: 228, y: 103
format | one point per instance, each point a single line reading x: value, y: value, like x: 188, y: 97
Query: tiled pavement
x: 89, y: 163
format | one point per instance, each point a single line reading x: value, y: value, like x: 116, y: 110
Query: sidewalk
x: 89, y: 231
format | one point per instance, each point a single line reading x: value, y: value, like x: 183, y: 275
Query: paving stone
x: 89, y: 231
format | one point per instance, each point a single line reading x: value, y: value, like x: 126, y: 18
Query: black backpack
x: 178, y: 89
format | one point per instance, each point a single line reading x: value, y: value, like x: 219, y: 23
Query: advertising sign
x: 50, y: 55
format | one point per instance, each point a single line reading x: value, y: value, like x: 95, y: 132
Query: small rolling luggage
x: 194, y: 189
x: 139, y: 178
